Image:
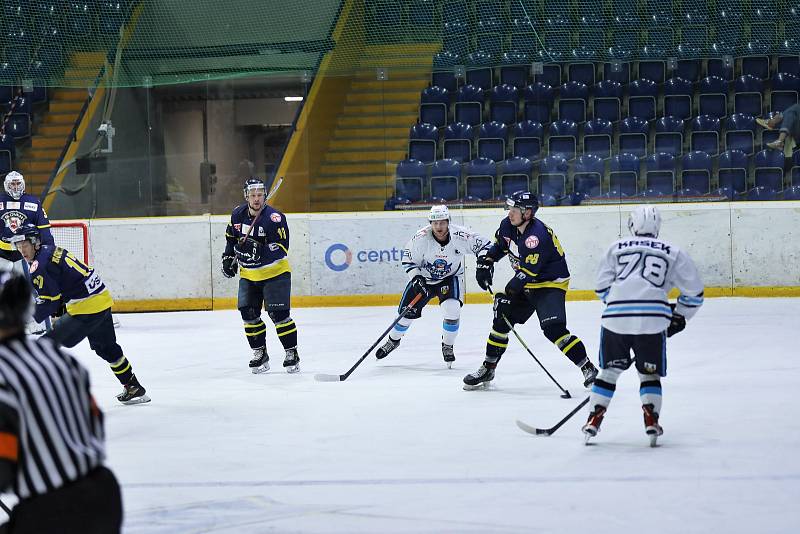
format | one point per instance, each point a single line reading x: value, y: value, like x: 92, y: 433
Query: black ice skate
x: 292, y: 361
x: 589, y: 373
x: 449, y: 356
x: 651, y: 426
x: 480, y: 378
x: 134, y: 393
x: 260, y: 362
x: 387, y: 347
x: 592, y: 426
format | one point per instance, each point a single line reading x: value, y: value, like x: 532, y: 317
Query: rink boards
x: 173, y: 263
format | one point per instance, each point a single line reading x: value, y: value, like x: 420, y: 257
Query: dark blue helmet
x: 524, y: 200
x: 254, y: 182
x: 27, y: 232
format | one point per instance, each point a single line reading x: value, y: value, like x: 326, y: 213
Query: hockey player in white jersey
x: 434, y: 262
x: 634, y: 278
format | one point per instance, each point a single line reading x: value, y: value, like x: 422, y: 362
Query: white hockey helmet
x: 439, y: 213
x: 645, y: 220
x: 14, y: 185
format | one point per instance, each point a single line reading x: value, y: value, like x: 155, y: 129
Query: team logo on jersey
x: 14, y: 219
x: 444, y: 290
x: 439, y: 268
x: 238, y: 227
x: 531, y: 241
x: 34, y: 266
x: 275, y: 217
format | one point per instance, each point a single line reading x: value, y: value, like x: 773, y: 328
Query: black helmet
x: 27, y: 232
x: 523, y: 200
x: 16, y: 301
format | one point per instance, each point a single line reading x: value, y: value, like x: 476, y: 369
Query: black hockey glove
x: 248, y: 250
x: 420, y: 285
x: 502, y: 306
x: 484, y: 272
x: 677, y: 324
x: 229, y: 266
x: 516, y: 286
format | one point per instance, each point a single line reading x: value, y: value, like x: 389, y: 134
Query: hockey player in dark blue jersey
x: 16, y: 209
x: 257, y: 245
x: 539, y: 284
x: 61, y: 278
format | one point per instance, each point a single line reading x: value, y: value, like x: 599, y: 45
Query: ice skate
x: 651, y: 426
x: 292, y: 361
x: 387, y: 347
x: 449, y: 356
x: 589, y: 373
x: 480, y: 378
x: 260, y: 362
x: 592, y: 426
x: 134, y: 393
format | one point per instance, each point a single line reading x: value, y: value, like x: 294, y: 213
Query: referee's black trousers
x: 90, y: 505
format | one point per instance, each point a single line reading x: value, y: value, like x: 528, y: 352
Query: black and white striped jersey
x: 634, y: 280
x: 50, y: 425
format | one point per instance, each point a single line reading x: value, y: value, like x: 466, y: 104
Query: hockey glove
x: 677, y: 324
x: 484, y: 272
x: 248, y: 250
x: 516, y: 286
x: 229, y: 266
x: 502, y: 306
x: 420, y: 286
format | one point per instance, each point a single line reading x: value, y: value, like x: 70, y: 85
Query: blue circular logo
x: 338, y: 267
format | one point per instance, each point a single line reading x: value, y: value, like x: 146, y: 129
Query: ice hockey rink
x: 400, y: 447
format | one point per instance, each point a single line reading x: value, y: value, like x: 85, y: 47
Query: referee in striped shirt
x: 51, y: 432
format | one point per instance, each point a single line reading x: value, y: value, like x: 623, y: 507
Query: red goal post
x: 73, y: 236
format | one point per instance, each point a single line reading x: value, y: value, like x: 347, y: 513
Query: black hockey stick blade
x: 550, y: 431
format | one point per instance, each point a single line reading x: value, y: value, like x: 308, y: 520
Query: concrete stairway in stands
x: 371, y: 133
x: 52, y: 133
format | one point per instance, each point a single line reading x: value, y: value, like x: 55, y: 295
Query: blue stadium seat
x: 539, y: 102
x: 434, y: 103
x: 445, y: 179
x: 455, y: 17
x: 696, y: 169
x: 410, y: 178
x: 528, y: 139
x: 488, y: 17
x: 458, y: 141
x: 678, y: 98
x: 792, y: 193
x: 551, y: 75
x: 553, y: 176
x: 790, y: 63
x: 769, y: 169
x: 623, y: 43
x: 6, y: 94
x: 693, y: 45
x: 18, y: 58
x: 7, y: 144
x: 762, y: 193
x: 524, y: 41
x: 747, y: 98
x: 514, y: 70
x: 492, y: 138
x: 516, y: 176
x: 113, y: 14
x: 623, y: 175
x: 469, y: 105
x: 785, y: 87
x: 607, y: 100
x: 642, y: 99
x: 713, y: 97
x: 479, y: 69
x: 657, y: 13
x: 618, y: 72
x: 716, y: 66
x: 587, y: 175
x: 704, y: 136
x: 669, y: 136
x: 444, y: 78
x: 563, y: 139
x: 762, y: 42
x: 732, y: 171
x: 584, y: 72
x: 660, y: 174
x: 740, y: 133
x: 504, y: 100
x: 480, y: 175
x: 574, y: 97
x: 556, y: 46
x: 423, y: 142
x: 19, y: 125
x: 79, y: 17
x: 633, y: 136
x: 653, y: 69
x: 597, y: 138
x: 657, y: 46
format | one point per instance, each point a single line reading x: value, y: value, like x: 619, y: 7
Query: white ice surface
x: 400, y: 447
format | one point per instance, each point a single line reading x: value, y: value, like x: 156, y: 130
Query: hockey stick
x: 549, y: 431
x: 565, y: 392
x: 341, y: 378
x: 5, y: 508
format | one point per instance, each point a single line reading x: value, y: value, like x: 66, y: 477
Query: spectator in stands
x: 789, y: 123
